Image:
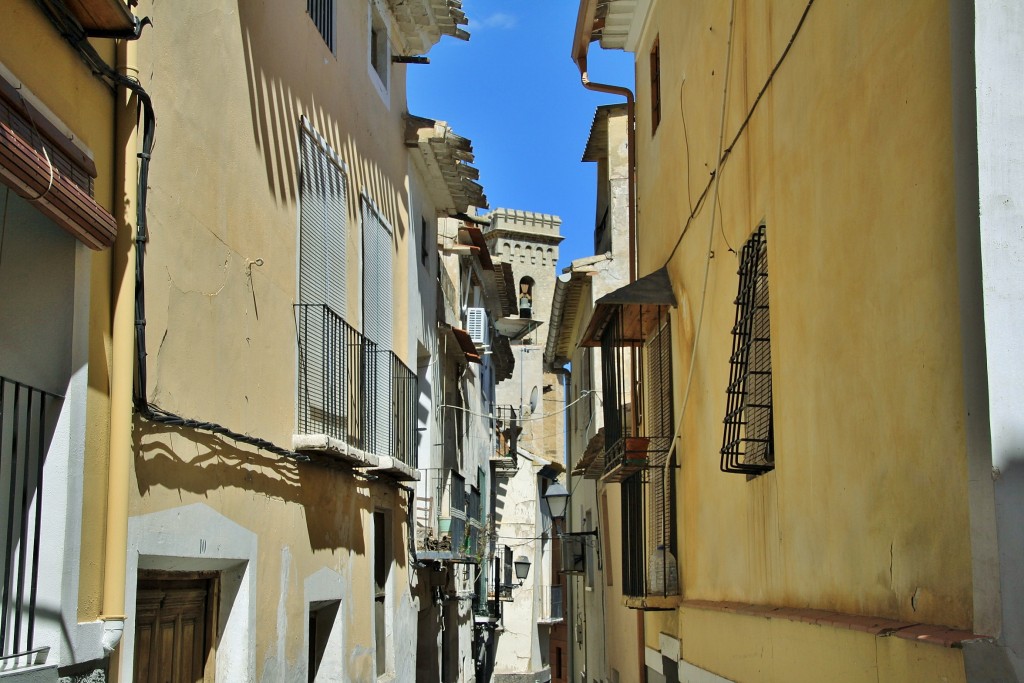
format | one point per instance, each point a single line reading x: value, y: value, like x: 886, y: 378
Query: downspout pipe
x: 585, y: 21
x: 580, y: 48
x: 123, y: 354
x: 121, y: 380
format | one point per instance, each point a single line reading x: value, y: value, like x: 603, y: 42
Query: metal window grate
x: 748, y: 441
x: 322, y: 14
x: 26, y: 419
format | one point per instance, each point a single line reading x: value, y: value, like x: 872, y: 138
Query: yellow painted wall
x: 848, y: 161
x: 746, y: 648
x: 229, y: 83
x: 50, y: 69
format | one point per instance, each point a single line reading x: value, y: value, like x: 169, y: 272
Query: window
x: 324, y: 641
x: 526, y: 297
x: 322, y: 14
x: 377, y: 322
x: 381, y: 574
x: 655, y: 85
x: 423, y: 240
x: 325, y: 367
x: 323, y: 217
x: 380, y: 48
x: 748, y: 444
x: 658, y: 421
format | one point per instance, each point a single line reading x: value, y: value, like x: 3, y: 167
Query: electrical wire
x: 724, y: 155
x: 75, y: 35
x: 544, y: 416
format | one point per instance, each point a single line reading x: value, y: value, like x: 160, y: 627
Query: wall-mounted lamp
x: 522, y: 567
x: 558, y: 502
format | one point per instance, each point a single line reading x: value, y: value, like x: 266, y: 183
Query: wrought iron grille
x: 322, y: 14
x: 25, y: 416
x: 337, y: 367
x: 403, y: 384
x: 748, y: 443
x: 634, y: 537
x: 342, y: 375
x: 613, y: 378
x: 508, y: 428
x: 649, y: 558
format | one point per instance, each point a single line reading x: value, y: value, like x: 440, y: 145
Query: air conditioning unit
x: 476, y: 325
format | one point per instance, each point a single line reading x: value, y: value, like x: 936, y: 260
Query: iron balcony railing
x: 26, y: 414
x: 449, y: 299
x: 508, y: 428
x: 352, y: 390
x: 400, y: 421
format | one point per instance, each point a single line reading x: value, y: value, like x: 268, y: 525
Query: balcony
x: 551, y: 605
x: 355, y: 400
x: 506, y: 424
x: 26, y: 414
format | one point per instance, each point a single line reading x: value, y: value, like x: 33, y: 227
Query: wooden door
x: 173, y: 629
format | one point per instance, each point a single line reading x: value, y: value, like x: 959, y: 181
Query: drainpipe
x: 585, y: 22
x: 581, y: 46
x: 122, y: 368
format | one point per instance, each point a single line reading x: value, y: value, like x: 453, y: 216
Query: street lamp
x: 558, y: 502
x: 522, y: 566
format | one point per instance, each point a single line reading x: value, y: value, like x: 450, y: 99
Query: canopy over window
x: 642, y: 305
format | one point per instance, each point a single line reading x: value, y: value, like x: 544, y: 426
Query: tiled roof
x: 423, y: 22
x: 443, y: 159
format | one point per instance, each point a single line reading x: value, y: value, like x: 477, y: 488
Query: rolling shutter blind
x: 323, y: 211
x: 377, y: 314
x: 658, y: 423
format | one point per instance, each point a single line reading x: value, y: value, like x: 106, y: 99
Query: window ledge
x: 653, y: 602
x: 326, y: 445
x: 394, y: 467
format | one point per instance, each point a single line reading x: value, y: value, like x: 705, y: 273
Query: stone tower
x: 529, y: 241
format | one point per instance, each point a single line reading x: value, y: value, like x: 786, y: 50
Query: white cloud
x: 499, y: 20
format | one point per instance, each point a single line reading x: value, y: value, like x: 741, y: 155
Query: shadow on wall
x: 500, y: 490
x: 194, y: 462
x: 285, y: 82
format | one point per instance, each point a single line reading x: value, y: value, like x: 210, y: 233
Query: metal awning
x: 466, y: 344
x: 591, y: 463
x: 642, y: 305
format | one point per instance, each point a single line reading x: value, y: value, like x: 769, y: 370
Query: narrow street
x: 457, y: 341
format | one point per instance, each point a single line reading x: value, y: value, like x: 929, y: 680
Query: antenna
x: 534, y: 398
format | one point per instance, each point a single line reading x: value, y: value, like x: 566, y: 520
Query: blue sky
x: 515, y: 92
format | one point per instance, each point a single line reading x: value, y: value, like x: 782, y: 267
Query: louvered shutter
x: 658, y: 423
x: 323, y: 212
x: 323, y: 217
x: 377, y: 319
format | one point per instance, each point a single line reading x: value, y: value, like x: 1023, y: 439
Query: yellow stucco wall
x: 777, y: 650
x: 35, y: 53
x: 229, y: 84
x: 848, y: 161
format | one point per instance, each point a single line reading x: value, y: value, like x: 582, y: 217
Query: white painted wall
x: 44, y: 313
x: 999, y: 45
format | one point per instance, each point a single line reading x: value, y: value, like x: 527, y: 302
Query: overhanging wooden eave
x: 103, y: 16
